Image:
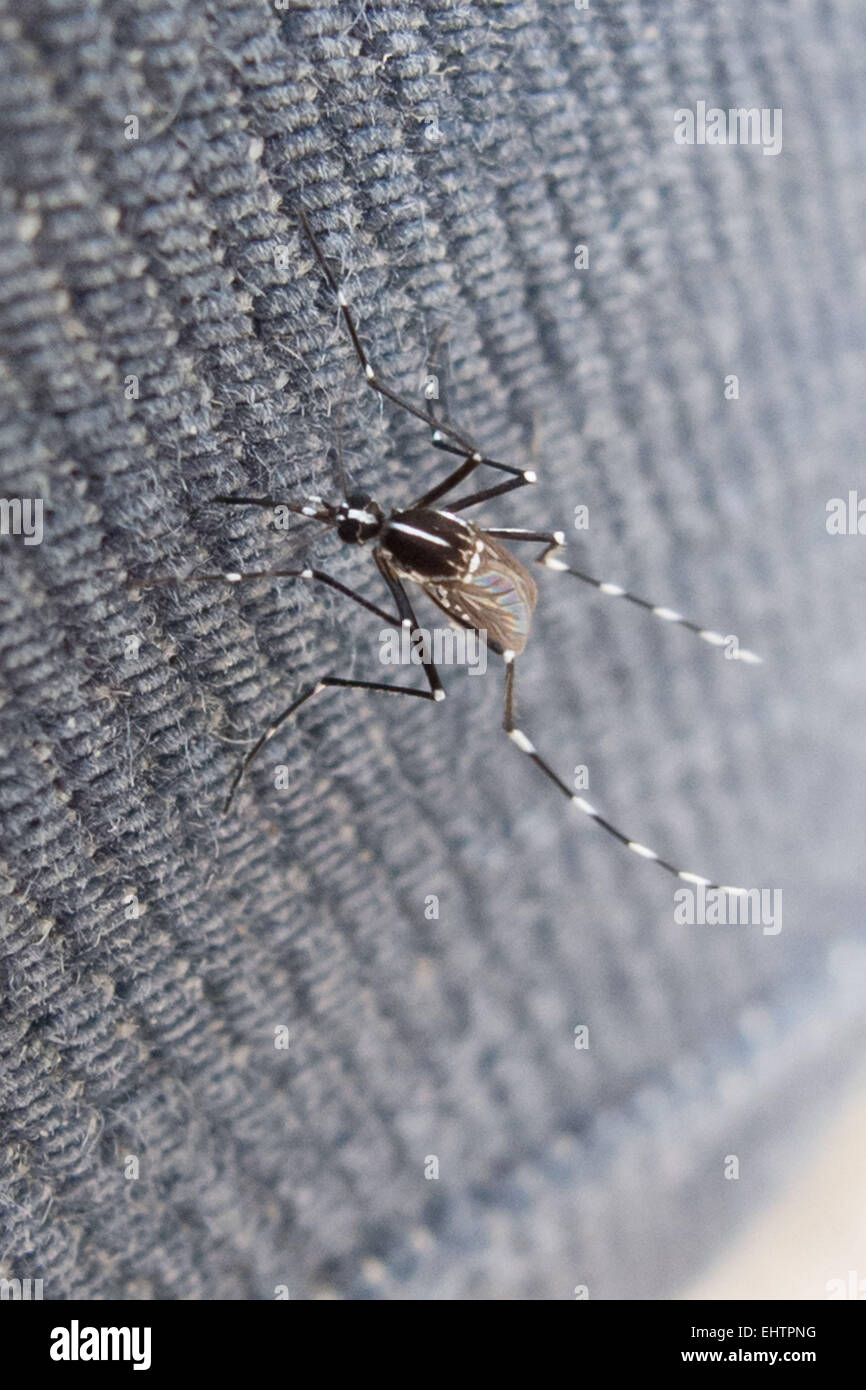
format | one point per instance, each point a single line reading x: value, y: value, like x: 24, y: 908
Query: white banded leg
x: 238, y: 577
x: 519, y: 738
x: 375, y: 382
x: 442, y: 429
x: 549, y: 557
x: 326, y: 682
x: 408, y: 619
x: 520, y: 477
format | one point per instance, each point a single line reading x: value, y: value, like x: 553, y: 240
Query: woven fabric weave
x: 167, y: 338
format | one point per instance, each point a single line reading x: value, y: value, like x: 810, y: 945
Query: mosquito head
x: 358, y: 519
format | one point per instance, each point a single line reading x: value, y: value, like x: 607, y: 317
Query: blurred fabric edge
x: 809, y: 1242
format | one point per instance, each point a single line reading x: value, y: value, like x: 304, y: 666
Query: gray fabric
x: 453, y: 156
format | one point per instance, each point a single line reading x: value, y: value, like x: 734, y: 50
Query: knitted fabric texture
x: 230, y: 1053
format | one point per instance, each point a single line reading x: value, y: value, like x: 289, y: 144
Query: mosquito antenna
x: 313, y: 508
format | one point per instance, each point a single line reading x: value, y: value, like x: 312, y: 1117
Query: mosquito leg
x: 323, y: 684
x: 555, y: 540
x: 478, y: 497
x: 552, y: 540
x: 466, y: 448
x: 523, y: 743
x: 668, y: 615
x: 471, y: 461
x: 269, y: 502
x: 520, y: 477
x: 408, y: 620
x: 475, y: 460
x: 453, y: 480
x: 438, y: 367
x: 372, y: 380
x: 461, y: 444
x: 235, y: 577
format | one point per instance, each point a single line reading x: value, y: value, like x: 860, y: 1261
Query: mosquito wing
x: 496, y: 595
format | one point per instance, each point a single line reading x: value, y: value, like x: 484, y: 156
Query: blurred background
x: 337, y: 1045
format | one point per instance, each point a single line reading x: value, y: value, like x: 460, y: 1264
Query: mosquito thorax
x: 359, y: 519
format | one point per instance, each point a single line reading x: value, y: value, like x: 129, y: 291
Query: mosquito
x: 464, y: 568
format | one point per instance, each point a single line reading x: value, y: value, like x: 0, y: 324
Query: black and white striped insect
x: 464, y: 568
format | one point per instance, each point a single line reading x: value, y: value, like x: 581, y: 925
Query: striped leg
x: 555, y: 540
x: 519, y: 476
x: 475, y: 500
x: 441, y: 428
x: 408, y: 619
x: 236, y: 577
x: 372, y: 379
x: 380, y: 687
x: 519, y: 738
